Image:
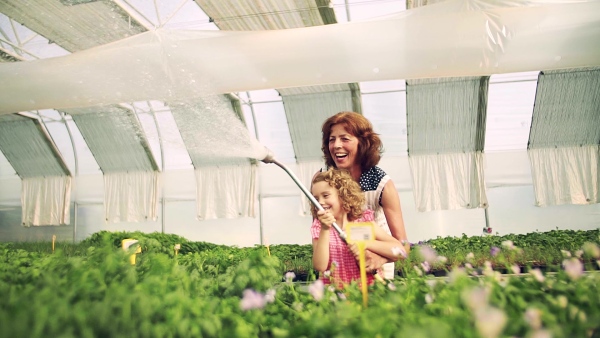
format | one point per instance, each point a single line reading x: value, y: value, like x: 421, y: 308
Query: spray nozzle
x: 270, y: 157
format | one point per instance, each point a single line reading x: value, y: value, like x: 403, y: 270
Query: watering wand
x: 271, y: 159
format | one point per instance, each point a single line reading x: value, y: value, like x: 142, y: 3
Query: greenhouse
x: 192, y: 130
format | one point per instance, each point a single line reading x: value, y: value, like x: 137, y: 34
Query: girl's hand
x: 326, y: 219
x: 373, y: 261
x: 355, y: 251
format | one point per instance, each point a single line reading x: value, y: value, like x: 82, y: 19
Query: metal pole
x: 75, y: 207
x: 270, y: 159
x: 260, y: 219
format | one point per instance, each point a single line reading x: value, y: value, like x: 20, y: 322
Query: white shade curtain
x: 565, y: 136
x: 45, y: 200
x: 565, y: 175
x: 226, y: 191
x: 446, y: 125
x: 131, y: 196
x: 221, y: 149
x: 130, y: 174
x: 45, y: 178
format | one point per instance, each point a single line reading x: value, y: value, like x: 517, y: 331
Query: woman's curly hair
x: 370, y: 146
x: 352, y: 198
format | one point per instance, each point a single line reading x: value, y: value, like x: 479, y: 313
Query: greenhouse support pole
x: 162, y: 226
x: 260, y: 218
x: 75, y: 206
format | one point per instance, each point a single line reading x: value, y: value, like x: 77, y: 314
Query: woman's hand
x: 326, y: 219
x: 373, y: 261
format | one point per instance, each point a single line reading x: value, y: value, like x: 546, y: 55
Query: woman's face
x: 343, y: 147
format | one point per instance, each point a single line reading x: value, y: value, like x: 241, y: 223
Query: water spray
x: 269, y: 158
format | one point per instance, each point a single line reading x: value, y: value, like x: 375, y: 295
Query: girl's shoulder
x: 367, y: 216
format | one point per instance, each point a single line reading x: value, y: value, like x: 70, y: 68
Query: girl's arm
x: 321, y: 251
x: 321, y: 244
x: 390, y: 201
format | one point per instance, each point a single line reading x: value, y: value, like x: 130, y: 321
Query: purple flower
x: 398, y: 251
x: 494, y: 251
x: 538, y: 275
x: 317, y: 290
x: 428, y: 254
x: 252, y: 300
x: 256, y: 300
x: 573, y: 267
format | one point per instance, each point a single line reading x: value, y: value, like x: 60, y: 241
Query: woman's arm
x: 383, y: 245
x: 390, y: 201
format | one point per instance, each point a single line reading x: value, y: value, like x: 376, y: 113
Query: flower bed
x: 91, y: 290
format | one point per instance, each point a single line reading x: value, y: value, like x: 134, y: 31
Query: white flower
x: 341, y: 296
x: 490, y: 322
x: 476, y: 298
x: 578, y: 253
x: 298, y: 306
x: 534, y: 318
x: 565, y: 253
x: 487, y: 269
x: 537, y: 274
x: 515, y: 269
x: 317, y: 290
x: 391, y: 286
x: 426, y: 267
x: 428, y: 298
x: 289, y: 276
x: 468, y: 266
x: 419, y: 271
x: 562, y: 301
x: 573, y: 267
x: 442, y: 259
x: 456, y: 274
x: 508, y: 244
x: 327, y: 273
x: 470, y: 256
x: 270, y: 296
x: 582, y: 316
x: 591, y: 249
x: 541, y: 334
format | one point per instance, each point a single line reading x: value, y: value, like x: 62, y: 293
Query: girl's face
x: 328, y: 197
x: 343, y: 147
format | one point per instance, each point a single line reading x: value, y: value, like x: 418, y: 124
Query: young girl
x: 342, y: 200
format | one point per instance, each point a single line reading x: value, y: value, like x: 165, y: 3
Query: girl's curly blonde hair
x: 352, y: 198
